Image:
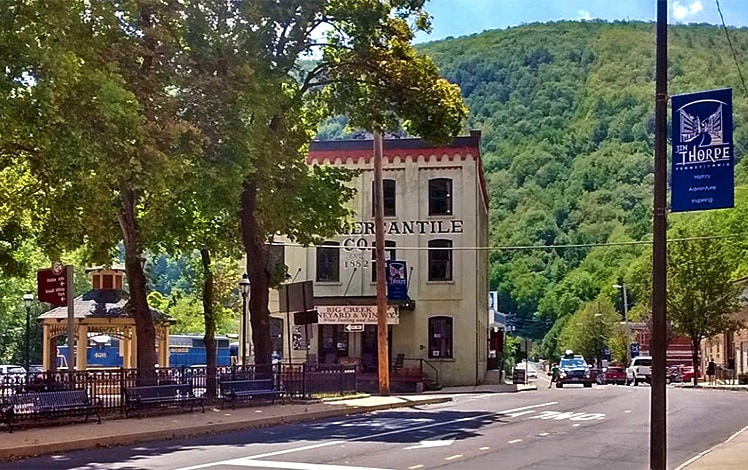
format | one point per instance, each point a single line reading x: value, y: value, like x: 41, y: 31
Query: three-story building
x: 436, y: 222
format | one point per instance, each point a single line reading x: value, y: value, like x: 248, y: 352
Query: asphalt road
x: 606, y: 427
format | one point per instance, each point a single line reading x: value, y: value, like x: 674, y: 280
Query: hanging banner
x: 702, y: 164
x: 397, y: 280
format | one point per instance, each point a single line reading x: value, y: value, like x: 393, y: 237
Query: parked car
x: 612, y: 375
x: 640, y: 370
x: 680, y: 373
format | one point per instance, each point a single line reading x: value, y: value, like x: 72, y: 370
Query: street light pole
x: 622, y: 286
x: 28, y: 298
x: 244, y: 287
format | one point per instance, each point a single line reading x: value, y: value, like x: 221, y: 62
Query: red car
x: 680, y: 374
x: 612, y: 375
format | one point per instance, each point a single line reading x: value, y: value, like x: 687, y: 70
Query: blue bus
x: 184, y: 350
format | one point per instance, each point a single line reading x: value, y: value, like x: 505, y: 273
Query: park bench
x: 250, y: 389
x: 49, y: 404
x: 148, y: 396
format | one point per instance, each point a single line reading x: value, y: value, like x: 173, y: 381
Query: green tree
x: 702, y: 298
x: 589, y: 329
x: 369, y: 72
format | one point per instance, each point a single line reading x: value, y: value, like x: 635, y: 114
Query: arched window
x: 440, y: 337
x: 440, y: 196
x: 389, y: 253
x: 390, y: 198
x: 440, y: 260
x: 328, y: 262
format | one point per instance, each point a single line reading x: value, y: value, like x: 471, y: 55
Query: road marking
x: 368, y: 437
x: 561, y: 415
x: 542, y: 434
x: 427, y: 444
x: 484, y: 448
x: 296, y: 465
x: 414, y: 467
x: 453, y: 457
x: 514, y: 441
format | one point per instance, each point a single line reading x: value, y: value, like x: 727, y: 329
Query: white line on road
x: 367, y: 437
x: 296, y: 465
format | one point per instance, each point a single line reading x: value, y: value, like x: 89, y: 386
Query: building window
x: 389, y: 198
x: 389, y: 253
x: 328, y: 262
x: 440, y: 337
x: 440, y: 260
x: 440, y: 196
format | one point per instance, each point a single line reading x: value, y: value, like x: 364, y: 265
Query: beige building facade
x: 436, y: 221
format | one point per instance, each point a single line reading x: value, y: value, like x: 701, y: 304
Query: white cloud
x: 584, y: 15
x: 680, y: 12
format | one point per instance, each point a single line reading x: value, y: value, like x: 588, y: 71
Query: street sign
x: 354, y: 327
x: 52, y: 285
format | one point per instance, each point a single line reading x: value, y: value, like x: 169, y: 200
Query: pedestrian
x: 710, y: 370
x: 555, y: 373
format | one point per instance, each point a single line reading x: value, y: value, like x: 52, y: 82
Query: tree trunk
x: 138, y: 303
x: 254, y: 247
x: 695, y: 345
x: 209, y: 314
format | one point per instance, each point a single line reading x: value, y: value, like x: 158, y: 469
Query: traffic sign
x: 634, y: 349
x: 354, y: 327
x: 52, y: 285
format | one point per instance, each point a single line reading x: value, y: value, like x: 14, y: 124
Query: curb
x: 36, y: 449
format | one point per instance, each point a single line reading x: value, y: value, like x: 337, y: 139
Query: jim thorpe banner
x: 397, y: 280
x: 702, y: 175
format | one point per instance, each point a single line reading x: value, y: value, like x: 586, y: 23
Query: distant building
x: 436, y: 221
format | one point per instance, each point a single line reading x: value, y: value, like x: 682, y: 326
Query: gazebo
x: 101, y: 311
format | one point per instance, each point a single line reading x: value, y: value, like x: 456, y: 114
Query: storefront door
x: 333, y: 343
x: 369, y: 354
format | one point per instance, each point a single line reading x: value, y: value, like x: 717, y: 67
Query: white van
x: 640, y: 370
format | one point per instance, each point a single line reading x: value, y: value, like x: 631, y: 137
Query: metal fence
x: 297, y: 381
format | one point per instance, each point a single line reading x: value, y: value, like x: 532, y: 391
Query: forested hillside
x: 566, y: 110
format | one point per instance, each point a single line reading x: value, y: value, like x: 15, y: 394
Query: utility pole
x: 382, y: 346
x: 658, y: 399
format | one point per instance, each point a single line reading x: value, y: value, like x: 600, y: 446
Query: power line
x: 507, y: 248
x: 729, y: 42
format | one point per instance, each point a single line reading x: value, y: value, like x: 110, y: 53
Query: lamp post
x: 599, y: 340
x: 28, y: 298
x: 244, y: 286
x: 621, y: 285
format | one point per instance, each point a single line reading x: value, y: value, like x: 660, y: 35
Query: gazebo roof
x: 101, y: 303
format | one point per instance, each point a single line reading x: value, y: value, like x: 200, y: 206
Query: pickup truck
x: 640, y: 370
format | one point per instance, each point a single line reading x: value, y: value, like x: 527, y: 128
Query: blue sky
x: 464, y: 17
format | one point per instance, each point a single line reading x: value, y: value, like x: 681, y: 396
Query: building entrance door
x: 333, y: 343
x: 369, y: 348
